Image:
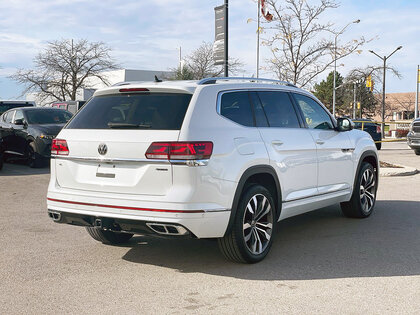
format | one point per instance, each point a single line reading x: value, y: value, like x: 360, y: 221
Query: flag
x: 267, y: 15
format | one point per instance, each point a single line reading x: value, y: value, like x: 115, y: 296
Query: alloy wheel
x: 367, y: 190
x: 258, y: 224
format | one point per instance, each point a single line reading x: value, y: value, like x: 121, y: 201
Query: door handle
x: 319, y: 141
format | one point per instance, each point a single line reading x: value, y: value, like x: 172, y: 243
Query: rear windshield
x: 163, y: 111
x: 47, y: 116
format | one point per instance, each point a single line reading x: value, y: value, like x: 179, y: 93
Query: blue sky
x: 146, y: 34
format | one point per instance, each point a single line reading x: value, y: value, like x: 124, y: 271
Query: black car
x: 28, y: 132
x: 371, y: 128
x: 1, y: 150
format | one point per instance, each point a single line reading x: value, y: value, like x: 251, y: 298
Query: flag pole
x: 258, y: 39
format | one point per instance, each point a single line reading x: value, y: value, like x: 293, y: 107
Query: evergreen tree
x: 324, y: 91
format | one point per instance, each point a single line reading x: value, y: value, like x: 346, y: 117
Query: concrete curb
x: 401, y: 171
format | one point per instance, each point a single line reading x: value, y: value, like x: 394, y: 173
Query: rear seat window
x: 153, y: 111
x: 237, y: 107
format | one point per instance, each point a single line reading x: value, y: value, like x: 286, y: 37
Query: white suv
x: 221, y: 158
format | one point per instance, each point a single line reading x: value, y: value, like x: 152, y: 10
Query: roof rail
x: 214, y: 80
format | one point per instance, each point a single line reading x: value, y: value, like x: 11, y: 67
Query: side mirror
x: 344, y: 124
x: 19, y: 122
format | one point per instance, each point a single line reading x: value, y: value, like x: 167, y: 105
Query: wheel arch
x: 370, y: 157
x: 264, y: 175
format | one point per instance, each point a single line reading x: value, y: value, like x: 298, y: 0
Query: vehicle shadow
x: 20, y: 168
x: 317, y: 245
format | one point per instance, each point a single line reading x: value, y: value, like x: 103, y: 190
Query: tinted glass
x: 279, y: 109
x: 237, y: 107
x: 162, y: 111
x: 47, y: 116
x: 315, y: 116
x: 260, y: 117
x: 6, y: 107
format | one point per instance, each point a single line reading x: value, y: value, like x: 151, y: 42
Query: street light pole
x: 335, y: 59
x: 384, y: 59
x: 354, y: 100
x: 416, y: 107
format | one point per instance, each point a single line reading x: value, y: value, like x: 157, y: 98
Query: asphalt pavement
x: 320, y: 262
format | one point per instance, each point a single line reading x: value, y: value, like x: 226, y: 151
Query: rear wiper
x: 125, y: 125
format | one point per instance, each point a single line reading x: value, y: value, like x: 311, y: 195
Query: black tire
x: 109, y: 237
x: 417, y: 152
x: 34, y: 159
x: 363, y: 199
x: 1, y: 160
x: 378, y: 145
x: 234, y: 245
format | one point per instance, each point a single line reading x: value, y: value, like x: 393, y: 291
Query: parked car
x: 1, y: 149
x: 28, y: 132
x: 413, y: 136
x: 371, y: 128
x: 6, y: 105
x: 219, y: 158
x: 71, y: 106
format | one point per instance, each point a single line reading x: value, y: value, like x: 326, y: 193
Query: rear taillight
x: 180, y: 150
x: 59, y: 147
x: 378, y: 129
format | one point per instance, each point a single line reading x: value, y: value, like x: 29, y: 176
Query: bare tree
x: 200, y: 64
x: 300, y: 52
x: 63, y: 67
x: 359, y: 75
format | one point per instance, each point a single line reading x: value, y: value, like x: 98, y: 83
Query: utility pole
x: 416, y: 108
x: 226, y: 38
x: 384, y: 59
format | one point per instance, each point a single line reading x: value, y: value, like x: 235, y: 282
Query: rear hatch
x: 107, y: 141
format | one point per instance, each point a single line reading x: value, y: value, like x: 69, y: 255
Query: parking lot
x: 320, y: 262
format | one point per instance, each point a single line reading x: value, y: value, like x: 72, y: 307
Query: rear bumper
x: 209, y: 223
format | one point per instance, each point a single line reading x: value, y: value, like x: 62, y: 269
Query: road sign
x: 220, y: 35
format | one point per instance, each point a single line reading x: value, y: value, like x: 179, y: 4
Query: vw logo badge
x: 102, y: 149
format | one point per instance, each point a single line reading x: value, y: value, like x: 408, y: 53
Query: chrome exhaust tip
x: 167, y: 229
x: 55, y: 216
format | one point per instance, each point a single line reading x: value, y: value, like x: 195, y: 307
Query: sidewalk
x: 400, y: 155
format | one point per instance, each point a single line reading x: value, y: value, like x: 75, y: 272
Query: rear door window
x: 279, y: 109
x: 153, y: 111
x: 236, y: 106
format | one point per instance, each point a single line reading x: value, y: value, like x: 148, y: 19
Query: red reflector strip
x: 123, y: 207
x: 134, y: 90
